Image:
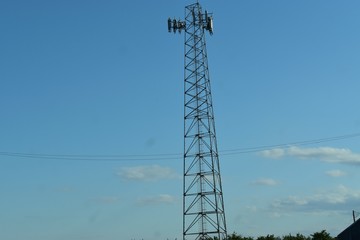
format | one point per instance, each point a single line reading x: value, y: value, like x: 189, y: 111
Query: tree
x: 297, y: 237
x: 268, y: 237
x: 323, y: 235
x: 234, y: 236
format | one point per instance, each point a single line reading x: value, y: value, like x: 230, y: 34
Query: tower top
x: 204, y: 20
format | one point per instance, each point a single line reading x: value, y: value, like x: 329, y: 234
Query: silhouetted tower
x: 203, y: 204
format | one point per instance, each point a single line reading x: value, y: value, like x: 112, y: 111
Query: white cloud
x: 159, y: 199
x: 252, y: 208
x: 336, y: 173
x: 326, y: 154
x: 340, y: 198
x: 147, y: 173
x: 274, y: 153
x: 265, y: 182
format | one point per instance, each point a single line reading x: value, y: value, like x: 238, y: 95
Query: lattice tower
x: 203, y: 204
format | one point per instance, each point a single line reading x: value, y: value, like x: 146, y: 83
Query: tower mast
x: 203, y: 204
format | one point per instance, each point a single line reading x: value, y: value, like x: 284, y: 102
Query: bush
x: 323, y: 235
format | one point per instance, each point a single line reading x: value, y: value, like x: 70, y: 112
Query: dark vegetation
x: 323, y: 235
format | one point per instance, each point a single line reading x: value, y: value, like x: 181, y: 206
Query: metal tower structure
x: 203, y: 204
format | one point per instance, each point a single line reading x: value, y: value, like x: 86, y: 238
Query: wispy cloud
x: 340, y: 198
x: 265, y: 182
x: 326, y: 154
x: 155, y: 200
x: 274, y: 153
x: 147, y: 173
x: 336, y: 173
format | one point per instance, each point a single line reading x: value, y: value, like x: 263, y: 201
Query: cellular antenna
x: 203, y: 204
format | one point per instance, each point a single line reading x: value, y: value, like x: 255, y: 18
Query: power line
x: 168, y: 156
x: 285, y: 145
x: 149, y: 157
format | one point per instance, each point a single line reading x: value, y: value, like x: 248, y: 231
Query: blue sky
x: 104, y: 78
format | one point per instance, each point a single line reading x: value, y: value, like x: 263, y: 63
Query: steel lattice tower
x: 203, y: 204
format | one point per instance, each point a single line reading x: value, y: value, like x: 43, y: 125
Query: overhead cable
x: 167, y: 156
